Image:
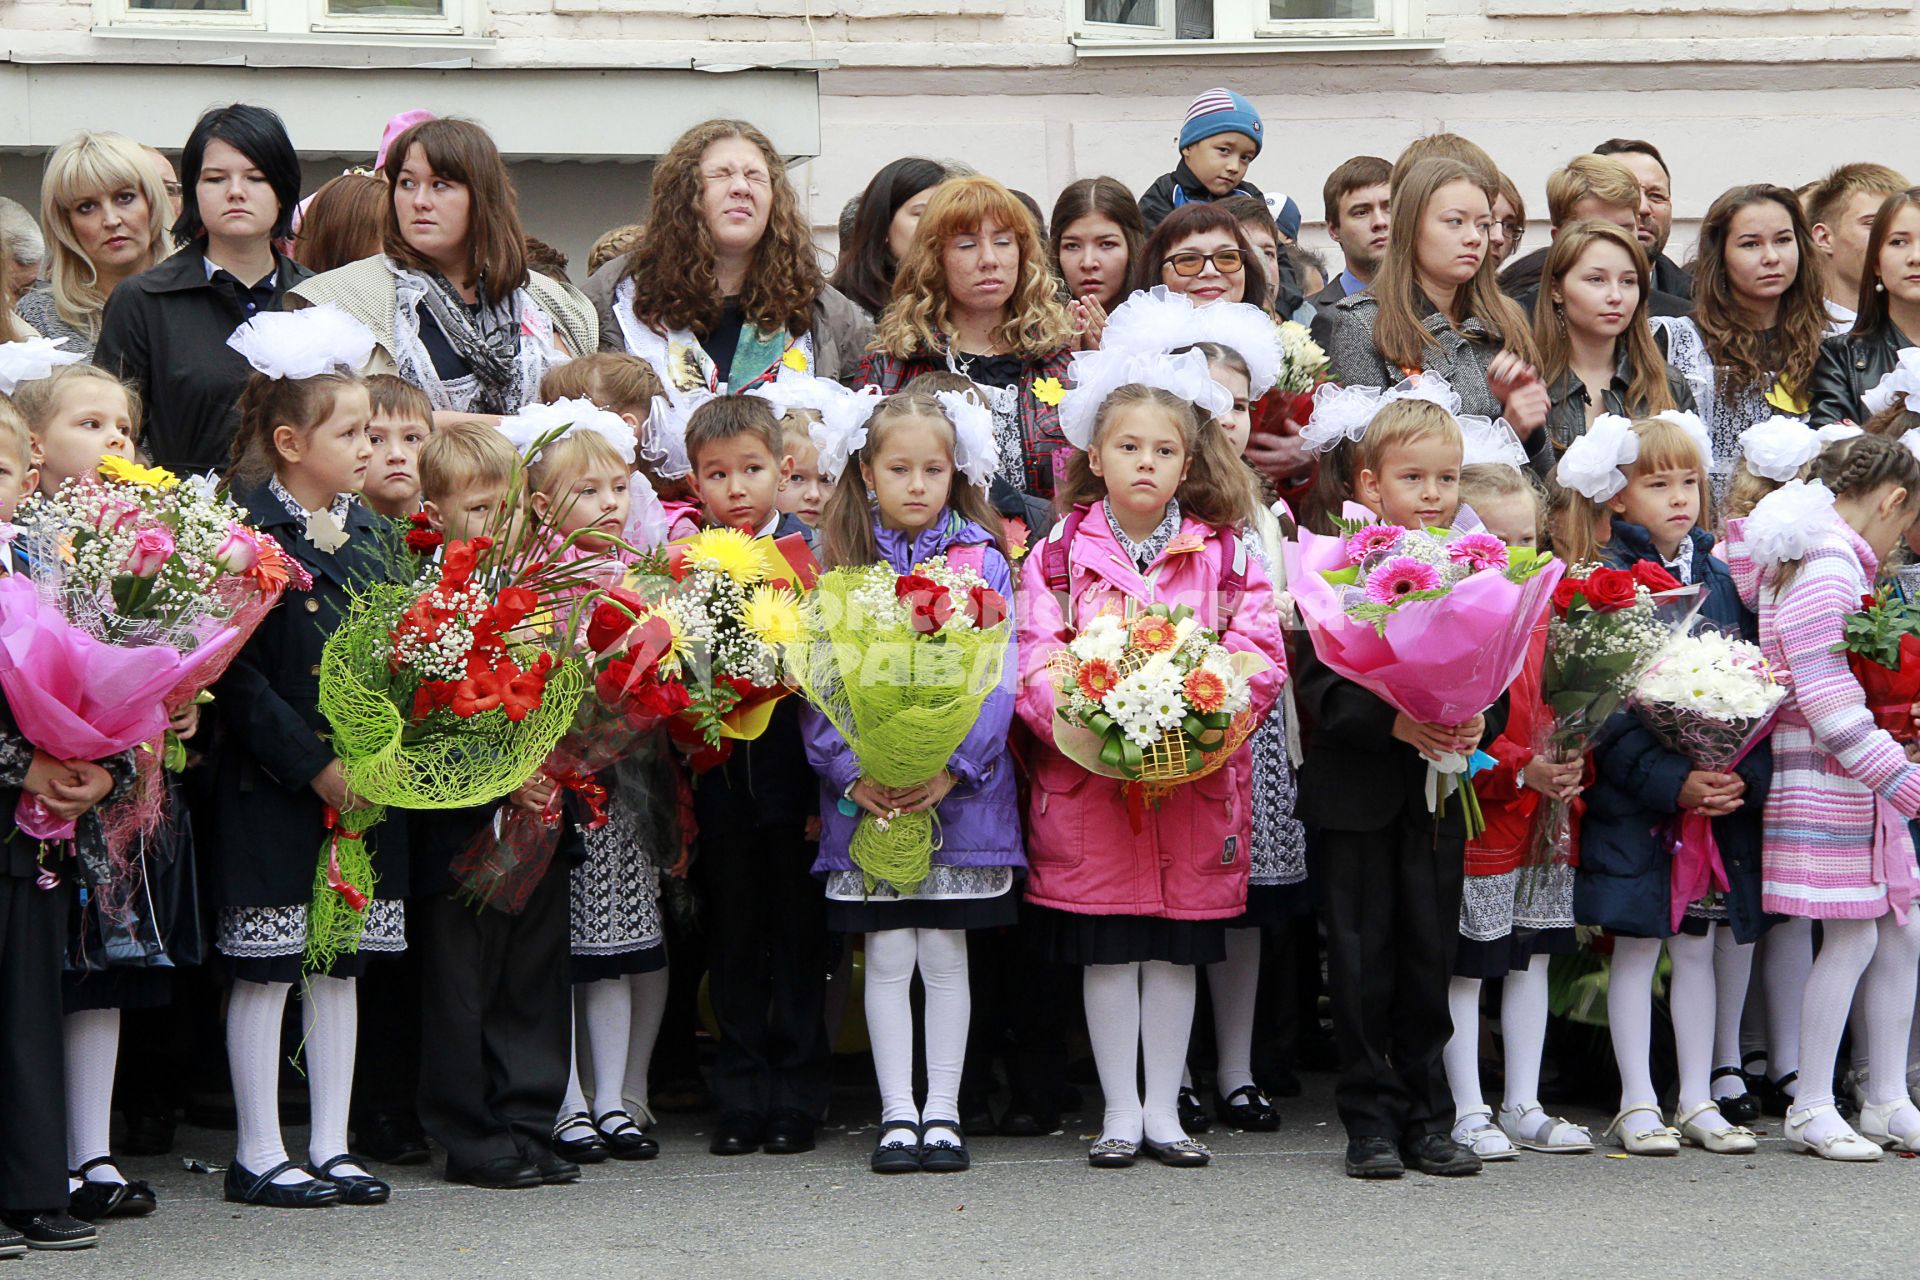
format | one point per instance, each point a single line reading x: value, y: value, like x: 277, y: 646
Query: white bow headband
x: 304, y: 343
x: 538, y: 425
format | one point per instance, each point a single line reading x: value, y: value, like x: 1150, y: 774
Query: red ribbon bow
x: 336, y: 881
x: 591, y: 793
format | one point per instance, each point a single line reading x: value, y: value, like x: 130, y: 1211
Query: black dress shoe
x: 502, y: 1173
x: 576, y: 1139
x: 92, y: 1201
x: 1187, y: 1153
x: 392, y: 1140
x: 897, y: 1156
x: 1373, y: 1158
x: 789, y: 1133
x: 138, y: 1202
x: 12, y: 1243
x: 1246, y: 1108
x: 355, y: 1188
x: 51, y: 1229
x: 246, y: 1187
x: 136, y: 1199
x: 943, y: 1154
x: 625, y: 1139
x: 737, y: 1133
x: 555, y: 1170
x: 148, y: 1135
x: 1193, y: 1116
x: 1025, y: 1119
x: 977, y: 1116
x: 1439, y: 1156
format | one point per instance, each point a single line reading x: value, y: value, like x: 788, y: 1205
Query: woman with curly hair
x: 453, y: 307
x: 724, y: 288
x: 976, y: 296
x: 1750, y: 346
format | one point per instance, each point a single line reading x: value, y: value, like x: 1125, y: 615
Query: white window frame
x: 287, y: 20
x: 1244, y: 26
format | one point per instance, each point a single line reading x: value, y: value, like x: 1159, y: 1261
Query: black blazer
x: 1851, y: 365
x: 166, y: 331
x: 266, y: 823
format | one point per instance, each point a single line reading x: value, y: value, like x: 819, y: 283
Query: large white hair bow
x: 664, y: 441
x: 1778, y: 448
x: 1787, y: 523
x: 538, y: 425
x: 1343, y: 413
x: 1596, y: 464
x: 1695, y: 429
x: 842, y: 429
x: 1157, y: 320
x: 1900, y: 382
x: 976, y: 449
x: 1098, y: 374
x: 30, y: 359
x: 304, y: 343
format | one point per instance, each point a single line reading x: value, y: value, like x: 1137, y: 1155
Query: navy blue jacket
x: 1624, y: 883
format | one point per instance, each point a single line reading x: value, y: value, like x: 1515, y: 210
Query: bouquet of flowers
x: 438, y: 698
x: 1882, y: 644
x: 1303, y: 367
x: 1152, y: 698
x: 1709, y: 697
x: 900, y: 665
x: 142, y: 589
x: 733, y: 607
x: 1608, y: 626
x: 1435, y: 623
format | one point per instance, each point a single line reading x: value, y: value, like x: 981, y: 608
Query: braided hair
x: 1861, y: 465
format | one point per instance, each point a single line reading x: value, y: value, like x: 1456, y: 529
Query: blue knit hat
x: 1220, y: 111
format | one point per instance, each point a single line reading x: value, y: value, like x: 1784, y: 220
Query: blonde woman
x: 105, y: 212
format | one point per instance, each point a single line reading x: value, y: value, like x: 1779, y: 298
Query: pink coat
x: 1190, y: 861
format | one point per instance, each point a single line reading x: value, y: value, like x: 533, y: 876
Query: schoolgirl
x: 627, y: 385
x: 1652, y: 474
x: 1156, y: 495
x: 912, y: 486
x: 300, y: 455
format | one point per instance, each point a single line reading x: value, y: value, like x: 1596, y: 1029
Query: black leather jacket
x: 1851, y: 365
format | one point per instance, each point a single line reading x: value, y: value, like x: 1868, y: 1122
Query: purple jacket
x: 978, y: 824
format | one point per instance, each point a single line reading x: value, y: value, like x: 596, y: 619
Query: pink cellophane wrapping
x: 1715, y: 746
x: 1440, y: 661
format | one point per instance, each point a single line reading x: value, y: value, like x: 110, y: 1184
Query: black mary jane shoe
x: 1739, y: 1108
x: 1246, y: 1108
x: 624, y: 1137
x: 54, y: 1229
x: 1774, y: 1098
x: 944, y: 1155
x: 355, y: 1188
x: 92, y: 1201
x: 589, y: 1149
x: 137, y: 1199
x: 243, y: 1186
x: 1113, y: 1153
x: 896, y: 1157
x: 1187, y: 1153
x: 1193, y: 1116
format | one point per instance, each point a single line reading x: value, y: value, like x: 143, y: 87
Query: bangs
x: 963, y: 205
x: 1406, y: 422
x: 98, y: 168
x: 1665, y: 446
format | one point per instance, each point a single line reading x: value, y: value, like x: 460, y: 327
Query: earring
x: 1560, y: 318
x: 1879, y: 286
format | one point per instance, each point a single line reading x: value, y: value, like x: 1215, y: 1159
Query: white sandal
x: 1476, y: 1131
x: 1728, y: 1140
x: 1550, y: 1134
x: 1661, y: 1141
x: 1876, y: 1125
x: 1844, y: 1144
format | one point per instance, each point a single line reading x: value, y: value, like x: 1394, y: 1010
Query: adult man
x: 1590, y: 187
x: 1356, y: 202
x: 1841, y: 208
x: 1644, y: 162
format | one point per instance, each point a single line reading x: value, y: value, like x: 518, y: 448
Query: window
x: 1112, y: 26
x: 289, y: 19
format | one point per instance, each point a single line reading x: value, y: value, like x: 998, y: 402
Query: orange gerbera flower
x: 1098, y: 678
x: 1206, y: 691
x: 1153, y: 632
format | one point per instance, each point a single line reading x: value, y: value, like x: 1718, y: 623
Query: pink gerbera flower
x: 1399, y: 578
x: 1373, y: 540
x: 1478, y: 551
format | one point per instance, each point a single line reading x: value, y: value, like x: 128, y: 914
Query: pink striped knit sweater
x: 1829, y: 760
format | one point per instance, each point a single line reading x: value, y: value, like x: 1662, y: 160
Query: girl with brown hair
x: 976, y: 295
x: 1749, y: 348
x: 452, y: 305
x: 723, y: 288
x: 1887, y: 314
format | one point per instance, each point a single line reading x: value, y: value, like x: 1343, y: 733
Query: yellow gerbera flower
x: 1048, y: 391
x: 773, y: 615
x: 729, y: 551
x: 126, y: 471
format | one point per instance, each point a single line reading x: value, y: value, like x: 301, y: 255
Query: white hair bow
x: 30, y: 359
x: 538, y: 425
x: 1694, y: 427
x: 976, y: 449
x: 1098, y: 374
x: 1786, y: 524
x: 1344, y: 413
x: 1596, y: 464
x: 1779, y: 448
x: 1490, y: 440
x: 842, y: 429
x: 1157, y: 320
x: 1900, y: 382
x: 664, y: 441
x: 304, y: 343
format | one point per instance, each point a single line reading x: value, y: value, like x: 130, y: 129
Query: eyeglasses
x: 1514, y: 231
x: 1225, y: 261
x: 172, y: 189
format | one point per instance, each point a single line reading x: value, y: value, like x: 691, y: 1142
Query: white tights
x: 622, y: 1020
x: 1523, y: 1034
x: 1879, y: 958
x: 1137, y: 1012
x: 1630, y: 1019
x: 92, y: 1043
x: 941, y: 957
x: 1235, y: 985
x: 330, y: 1018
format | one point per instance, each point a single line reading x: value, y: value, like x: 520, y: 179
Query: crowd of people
x: 1081, y: 405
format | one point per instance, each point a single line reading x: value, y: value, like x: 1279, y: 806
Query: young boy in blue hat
x: 1218, y: 142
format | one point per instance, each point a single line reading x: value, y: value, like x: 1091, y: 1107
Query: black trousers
x: 1392, y: 899
x: 767, y: 959
x: 33, y: 1089
x: 495, y: 1023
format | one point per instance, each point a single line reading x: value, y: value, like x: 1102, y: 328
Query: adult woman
x: 453, y: 308
x: 166, y: 329
x: 105, y: 211
x: 1436, y: 307
x: 1597, y: 353
x: 1202, y: 251
x: 723, y: 289
x: 976, y: 296
x: 1097, y: 236
x: 1749, y: 348
x: 344, y: 222
x: 1853, y: 363
x: 890, y: 208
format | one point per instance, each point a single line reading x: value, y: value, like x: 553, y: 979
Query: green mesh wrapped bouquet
x: 900, y: 665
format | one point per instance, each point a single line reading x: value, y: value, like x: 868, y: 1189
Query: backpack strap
x: 968, y: 555
x: 1233, y: 575
x: 1054, y: 561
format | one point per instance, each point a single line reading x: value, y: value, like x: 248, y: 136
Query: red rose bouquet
x: 1882, y: 644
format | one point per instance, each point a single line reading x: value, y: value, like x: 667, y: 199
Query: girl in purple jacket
x: 899, y: 500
